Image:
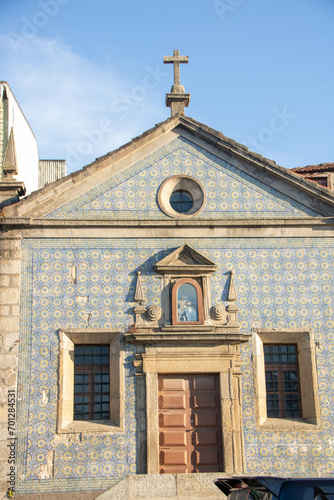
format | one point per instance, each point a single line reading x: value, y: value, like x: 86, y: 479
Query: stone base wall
x: 163, y: 486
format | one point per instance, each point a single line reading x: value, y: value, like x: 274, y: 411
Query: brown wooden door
x: 189, y: 424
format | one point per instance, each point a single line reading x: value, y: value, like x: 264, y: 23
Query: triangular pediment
x: 131, y: 194
x: 123, y: 185
x: 185, y: 260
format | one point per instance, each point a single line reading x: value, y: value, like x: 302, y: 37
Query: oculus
x: 181, y: 196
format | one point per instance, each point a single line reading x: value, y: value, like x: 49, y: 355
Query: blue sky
x: 89, y: 75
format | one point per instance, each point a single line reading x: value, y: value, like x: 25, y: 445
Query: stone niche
x: 186, y: 307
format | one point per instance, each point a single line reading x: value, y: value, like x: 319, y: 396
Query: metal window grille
x: 282, y: 381
x: 91, y: 382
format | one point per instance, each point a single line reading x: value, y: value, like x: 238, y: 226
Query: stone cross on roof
x: 176, y: 59
x: 177, y: 99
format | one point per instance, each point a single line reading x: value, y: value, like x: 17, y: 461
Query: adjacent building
x: 322, y: 174
x: 18, y: 149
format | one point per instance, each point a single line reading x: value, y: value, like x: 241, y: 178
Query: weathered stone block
x: 3, y: 397
x: 10, y: 342
x: 198, y: 485
x: 10, y: 266
x: 10, y: 254
x: 9, y: 296
x: 9, y: 376
x: 4, y: 280
x: 15, y: 310
x: 5, y: 310
x: 3, y: 414
x: 4, y: 427
x: 15, y: 280
x: 9, y: 323
x: 152, y: 486
x: 10, y: 244
x: 7, y: 361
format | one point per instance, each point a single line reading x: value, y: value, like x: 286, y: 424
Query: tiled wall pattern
x: 132, y: 194
x: 280, y: 283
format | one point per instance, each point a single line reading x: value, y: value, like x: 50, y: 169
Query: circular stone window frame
x: 182, y: 183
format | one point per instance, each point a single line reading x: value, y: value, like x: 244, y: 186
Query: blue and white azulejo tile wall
x: 280, y: 283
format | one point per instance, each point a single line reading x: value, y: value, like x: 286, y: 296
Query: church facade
x: 168, y: 310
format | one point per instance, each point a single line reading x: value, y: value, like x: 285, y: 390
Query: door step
x: 166, y: 486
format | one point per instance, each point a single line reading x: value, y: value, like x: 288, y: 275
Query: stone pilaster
x: 10, y: 266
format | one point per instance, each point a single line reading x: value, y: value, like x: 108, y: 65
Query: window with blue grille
x: 91, y: 382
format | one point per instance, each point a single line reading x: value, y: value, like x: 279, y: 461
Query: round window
x: 181, y: 196
x: 181, y: 201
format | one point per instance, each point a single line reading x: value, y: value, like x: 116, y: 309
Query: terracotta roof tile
x: 322, y: 167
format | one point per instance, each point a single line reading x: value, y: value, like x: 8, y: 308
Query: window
x: 285, y: 379
x: 91, y: 382
x: 282, y: 380
x: 187, y: 302
x: 181, y: 196
x: 181, y: 201
x: 323, y: 181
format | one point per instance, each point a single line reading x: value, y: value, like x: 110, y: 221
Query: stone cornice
x: 21, y: 222
x: 190, y: 335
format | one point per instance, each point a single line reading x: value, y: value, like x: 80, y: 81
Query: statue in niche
x: 187, y: 303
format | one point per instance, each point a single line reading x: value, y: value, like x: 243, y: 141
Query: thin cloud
x: 76, y: 109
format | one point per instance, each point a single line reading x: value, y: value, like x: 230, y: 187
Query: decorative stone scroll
x: 143, y: 314
x: 218, y: 312
x: 153, y: 313
x: 227, y: 315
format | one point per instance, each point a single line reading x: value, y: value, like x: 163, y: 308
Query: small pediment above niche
x: 185, y: 261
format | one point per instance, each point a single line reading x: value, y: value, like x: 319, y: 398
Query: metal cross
x: 176, y: 59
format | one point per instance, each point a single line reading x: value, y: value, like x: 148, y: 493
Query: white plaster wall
x: 26, y: 144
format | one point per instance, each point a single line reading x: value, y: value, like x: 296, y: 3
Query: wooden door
x: 189, y: 424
